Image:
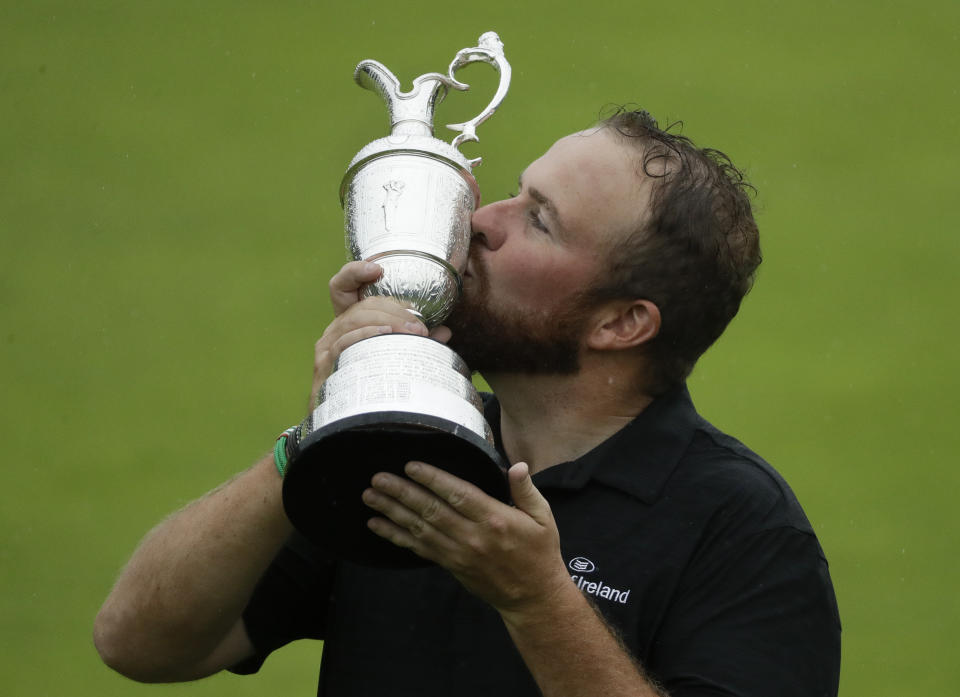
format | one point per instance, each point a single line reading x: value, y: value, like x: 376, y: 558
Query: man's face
x: 533, y: 256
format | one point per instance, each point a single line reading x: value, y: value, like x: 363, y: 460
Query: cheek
x: 544, y: 282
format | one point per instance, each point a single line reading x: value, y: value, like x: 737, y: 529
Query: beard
x: 514, y: 340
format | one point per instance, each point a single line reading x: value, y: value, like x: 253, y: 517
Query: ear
x: 624, y: 324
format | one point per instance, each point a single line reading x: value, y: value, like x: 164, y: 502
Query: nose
x: 489, y: 225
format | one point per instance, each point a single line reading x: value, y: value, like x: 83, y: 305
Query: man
x: 646, y: 553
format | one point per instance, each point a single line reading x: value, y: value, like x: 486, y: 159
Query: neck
x: 549, y: 419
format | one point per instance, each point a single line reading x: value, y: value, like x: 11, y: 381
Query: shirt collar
x: 638, y: 459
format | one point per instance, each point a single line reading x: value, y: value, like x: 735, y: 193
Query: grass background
x: 169, y: 217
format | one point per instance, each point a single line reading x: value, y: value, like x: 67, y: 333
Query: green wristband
x: 280, y: 450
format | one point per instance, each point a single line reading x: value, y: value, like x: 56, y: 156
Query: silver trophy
x: 407, y: 202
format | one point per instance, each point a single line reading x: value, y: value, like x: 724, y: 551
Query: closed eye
x: 537, y: 222
x: 533, y: 216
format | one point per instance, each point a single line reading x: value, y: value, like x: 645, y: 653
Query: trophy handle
x: 489, y: 50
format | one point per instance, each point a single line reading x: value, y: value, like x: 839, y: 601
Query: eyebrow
x: 542, y: 199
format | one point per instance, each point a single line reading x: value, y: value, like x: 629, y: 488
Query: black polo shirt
x: 691, y: 546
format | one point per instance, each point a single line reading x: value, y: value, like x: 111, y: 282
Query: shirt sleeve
x: 289, y: 602
x: 755, y: 617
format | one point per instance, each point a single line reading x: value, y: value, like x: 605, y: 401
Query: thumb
x: 525, y: 495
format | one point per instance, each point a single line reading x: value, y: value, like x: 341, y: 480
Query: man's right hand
x: 346, y: 283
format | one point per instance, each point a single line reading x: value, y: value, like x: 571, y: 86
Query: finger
x: 393, y: 533
x: 468, y: 500
x: 441, y: 334
x: 525, y: 494
x: 400, y: 513
x: 406, y: 527
x: 347, y: 282
x: 392, y: 310
x: 353, y: 336
x: 422, y: 503
x: 396, y: 306
x: 375, y: 311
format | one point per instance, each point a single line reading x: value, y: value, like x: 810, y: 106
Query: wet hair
x: 695, y: 255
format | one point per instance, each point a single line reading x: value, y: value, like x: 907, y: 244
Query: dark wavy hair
x: 695, y: 256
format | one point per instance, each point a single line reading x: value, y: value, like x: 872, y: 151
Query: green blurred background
x: 169, y: 219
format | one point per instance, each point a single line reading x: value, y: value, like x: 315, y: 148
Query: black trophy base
x: 323, y: 485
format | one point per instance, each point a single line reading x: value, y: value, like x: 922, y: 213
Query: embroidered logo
x: 582, y: 565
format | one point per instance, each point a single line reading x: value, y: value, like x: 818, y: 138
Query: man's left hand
x: 507, y: 556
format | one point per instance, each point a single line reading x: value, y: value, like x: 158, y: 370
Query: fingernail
x: 415, y: 328
x: 414, y: 467
x: 370, y: 267
x: 384, y: 329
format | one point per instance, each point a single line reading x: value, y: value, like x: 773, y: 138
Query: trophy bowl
x: 407, y: 201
